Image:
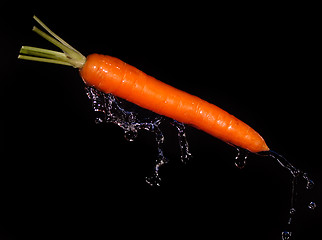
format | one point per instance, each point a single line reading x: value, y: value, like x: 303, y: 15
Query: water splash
x: 132, y: 118
x: 183, y: 143
x: 286, y: 235
x: 240, y: 159
x: 297, y: 175
x: 292, y: 211
x: 312, y: 205
x: 309, y: 182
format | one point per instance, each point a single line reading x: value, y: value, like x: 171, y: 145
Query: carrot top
x: 70, y: 56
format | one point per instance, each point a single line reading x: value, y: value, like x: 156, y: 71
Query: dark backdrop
x: 64, y: 176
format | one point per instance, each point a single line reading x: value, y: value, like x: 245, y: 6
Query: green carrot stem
x: 39, y: 59
x: 70, y: 56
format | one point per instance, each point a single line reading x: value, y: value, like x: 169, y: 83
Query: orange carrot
x: 111, y: 75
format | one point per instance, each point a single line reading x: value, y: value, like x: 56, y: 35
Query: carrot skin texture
x: 112, y: 75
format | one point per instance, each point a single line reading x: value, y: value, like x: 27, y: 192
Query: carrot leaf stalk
x: 70, y: 56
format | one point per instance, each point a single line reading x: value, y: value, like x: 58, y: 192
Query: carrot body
x: 111, y: 75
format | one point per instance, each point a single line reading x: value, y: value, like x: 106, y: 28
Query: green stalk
x: 70, y: 56
x: 42, y: 53
x: 47, y: 60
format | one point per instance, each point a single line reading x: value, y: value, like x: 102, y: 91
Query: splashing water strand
x: 296, y: 176
x: 183, y: 143
x: 131, y: 119
x: 240, y: 159
x: 286, y: 235
x: 312, y: 205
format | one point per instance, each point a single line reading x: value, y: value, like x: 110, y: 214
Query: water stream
x: 297, y: 175
x: 132, y: 119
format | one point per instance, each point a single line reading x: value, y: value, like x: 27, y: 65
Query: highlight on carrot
x: 109, y: 79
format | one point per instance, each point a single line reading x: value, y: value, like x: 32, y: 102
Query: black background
x: 62, y: 176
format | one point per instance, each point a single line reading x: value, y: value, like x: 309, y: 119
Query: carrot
x: 111, y: 75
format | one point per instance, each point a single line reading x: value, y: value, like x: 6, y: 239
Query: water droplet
x: 312, y: 205
x: 309, y: 182
x: 286, y: 235
x: 240, y: 159
x: 292, y: 211
x: 98, y: 120
x: 153, y: 181
x: 296, y: 172
x: 183, y: 143
x: 130, y: 135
